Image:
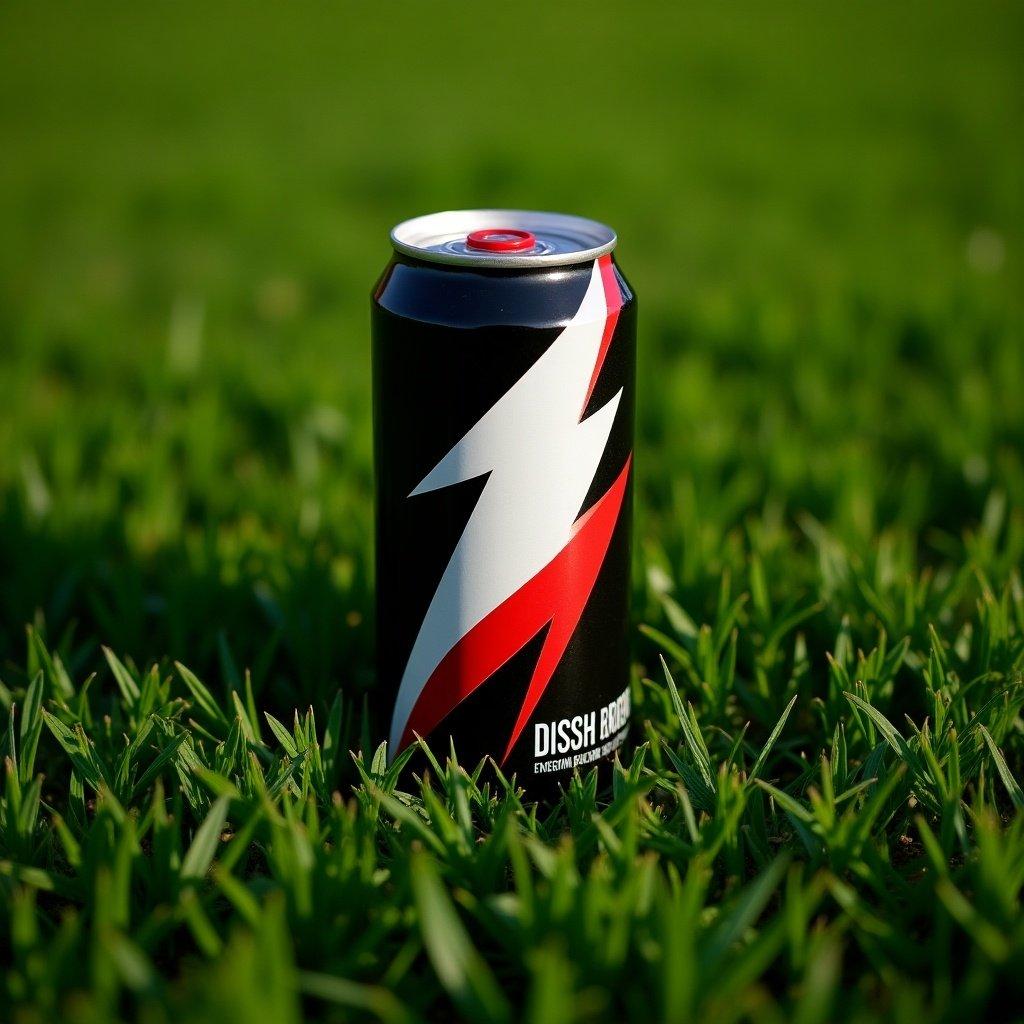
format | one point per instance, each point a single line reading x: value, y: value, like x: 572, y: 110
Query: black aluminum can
x: 504, y: 353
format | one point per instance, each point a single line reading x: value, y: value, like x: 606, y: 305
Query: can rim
x: 430, y: 237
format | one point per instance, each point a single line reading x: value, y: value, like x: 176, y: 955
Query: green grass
x: 821, y: 818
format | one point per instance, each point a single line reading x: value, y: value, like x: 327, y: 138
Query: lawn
x: 820, y: 814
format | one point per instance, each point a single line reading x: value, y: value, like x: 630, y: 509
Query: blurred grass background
x: 821, y: 210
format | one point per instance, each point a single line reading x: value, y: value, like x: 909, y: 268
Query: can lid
x: 517, y: 239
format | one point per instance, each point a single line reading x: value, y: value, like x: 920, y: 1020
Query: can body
x: 503, y: 433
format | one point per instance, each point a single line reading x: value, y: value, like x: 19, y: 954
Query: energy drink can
x: 504, y: 351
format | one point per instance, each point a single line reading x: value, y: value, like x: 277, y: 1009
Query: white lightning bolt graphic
x: 542, y: 460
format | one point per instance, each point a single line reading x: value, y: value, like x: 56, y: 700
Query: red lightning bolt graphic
x: 554, y: 597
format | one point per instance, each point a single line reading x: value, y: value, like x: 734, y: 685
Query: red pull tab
x: 500, y: 240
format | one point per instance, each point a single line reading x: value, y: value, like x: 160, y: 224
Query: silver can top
x: 517, y: 239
